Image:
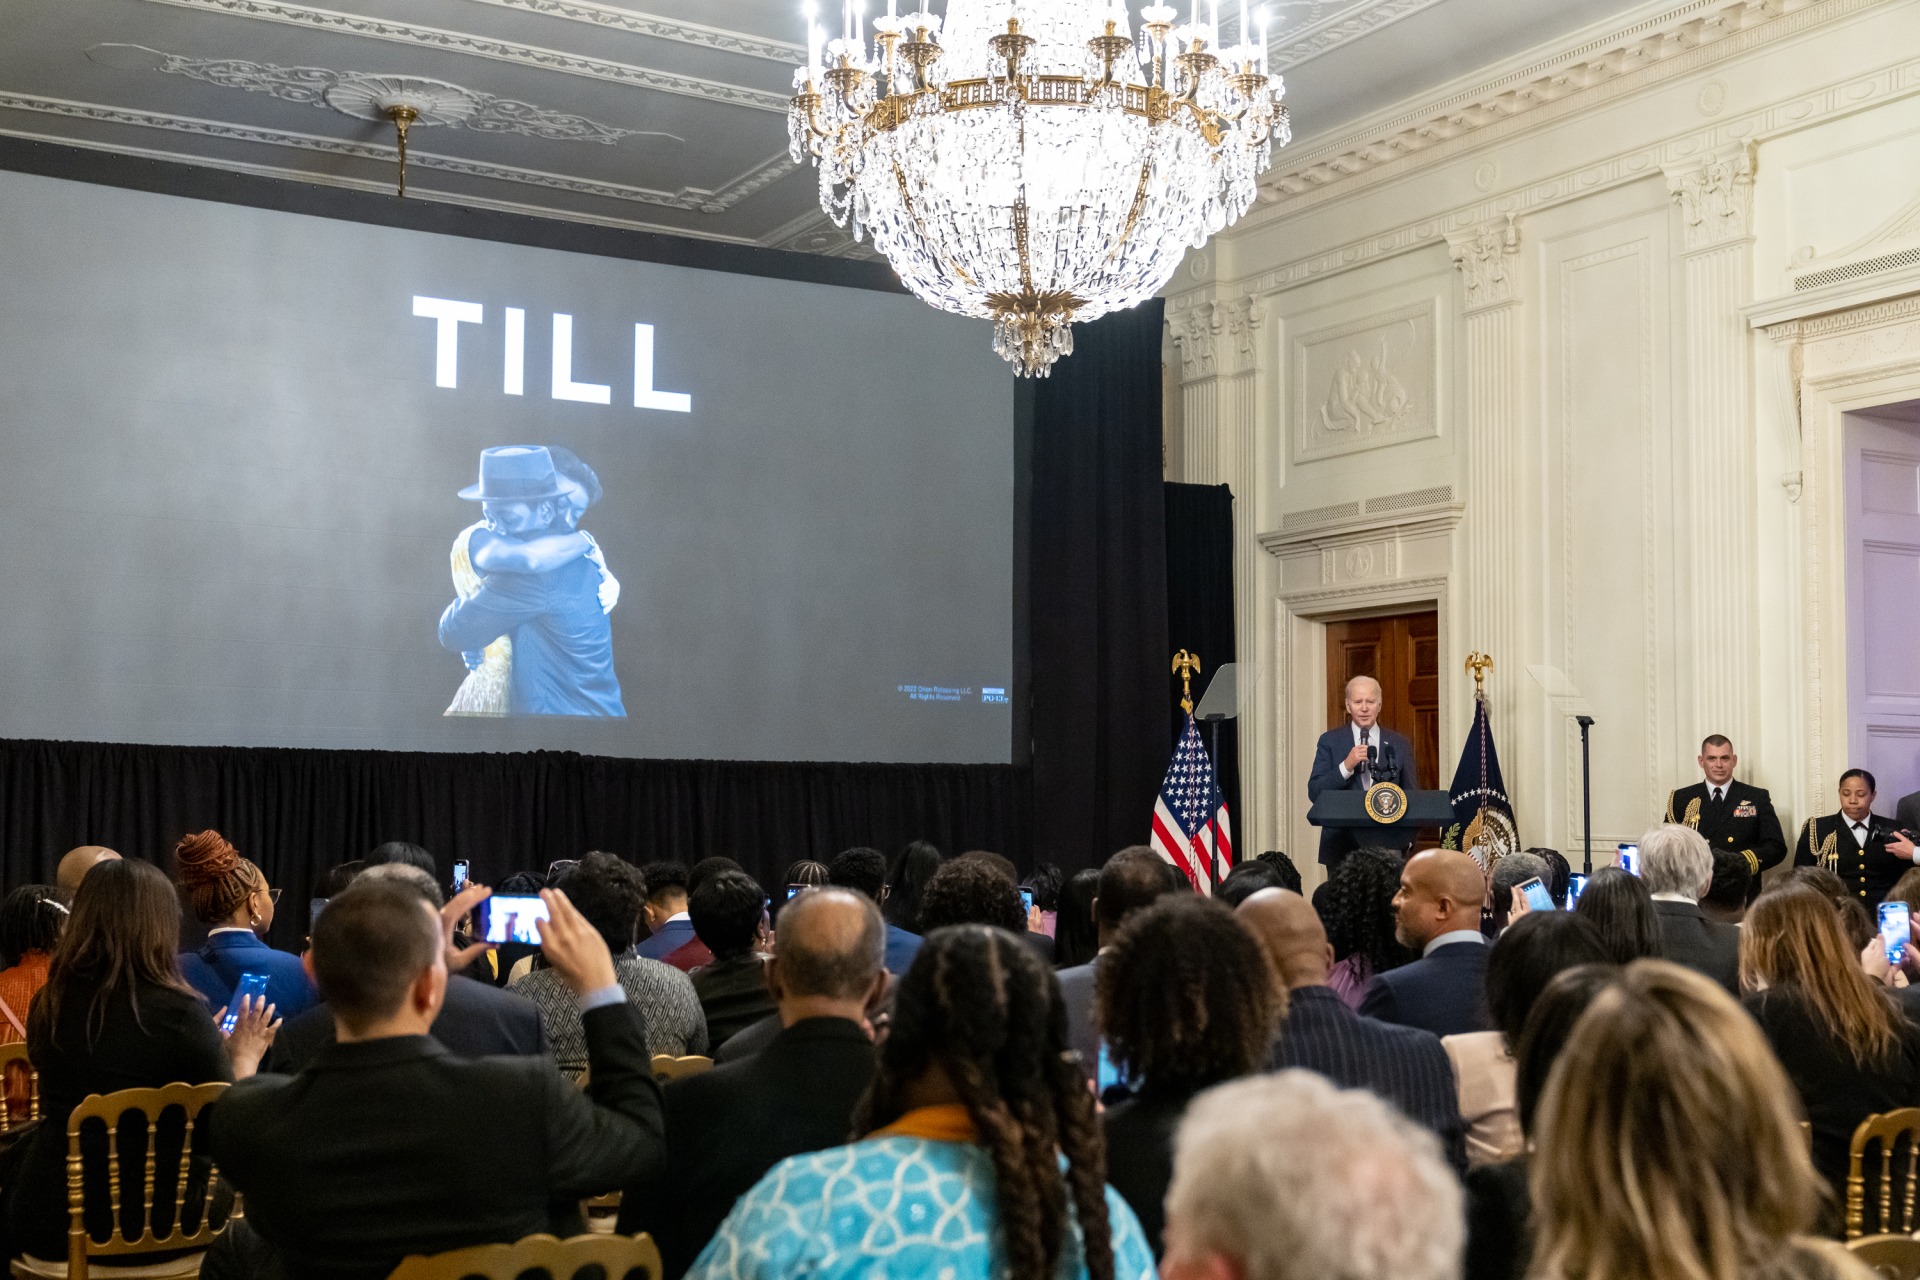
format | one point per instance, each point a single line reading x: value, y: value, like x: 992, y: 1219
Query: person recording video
x: 1354, y: 756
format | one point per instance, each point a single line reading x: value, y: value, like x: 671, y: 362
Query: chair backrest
x: 668, y: 1067
x: 191, y: 1204
x: 1890, y: 1130
x: 10, y: 1055
x: 1889, y: 1257
x: 620, y: 1256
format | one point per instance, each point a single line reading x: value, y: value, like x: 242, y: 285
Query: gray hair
x: 1298, y: 1180
x: 1514, y: 868
x: 1675, y: 859
x: 409, y: 875
x: 1377, y: 690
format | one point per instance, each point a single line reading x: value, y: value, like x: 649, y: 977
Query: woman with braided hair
x: 230, y: 896
x: 978, y: 1153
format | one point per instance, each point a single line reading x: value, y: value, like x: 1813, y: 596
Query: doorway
x: 1882, y: 471
x: 1402, y: 652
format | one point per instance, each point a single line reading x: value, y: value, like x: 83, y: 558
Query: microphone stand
x: 1586, y: 792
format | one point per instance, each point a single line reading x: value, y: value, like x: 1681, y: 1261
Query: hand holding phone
x: 1896, y: 930
x: 252, y: 985
x: 459, y: 875
x: 1535, y: 893
x: 1629, y: 858
x: 1576, y: 885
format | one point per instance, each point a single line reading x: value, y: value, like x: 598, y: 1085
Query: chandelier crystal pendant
x: 1035, y: 163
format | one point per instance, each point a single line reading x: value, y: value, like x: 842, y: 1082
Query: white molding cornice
x: 439, y: 39
x: 1534, y: 90
x: 606, y: 16
x: 1328, y: 34
x: 1829, y: 309
x: 688, y: 198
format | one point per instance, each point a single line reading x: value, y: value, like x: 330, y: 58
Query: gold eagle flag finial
x: 1479, y: 664
x: 1186, y: 666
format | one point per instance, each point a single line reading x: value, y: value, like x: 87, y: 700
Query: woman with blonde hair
x: 1837, y: 1032
x: 1668, y: 1146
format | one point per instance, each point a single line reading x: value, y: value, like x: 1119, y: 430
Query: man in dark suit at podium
x: 1353, y: 757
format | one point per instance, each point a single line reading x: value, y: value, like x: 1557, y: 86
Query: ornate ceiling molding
x: 1289, y: 50
x: 1675, y: 42
x: 647, y: 24
x: 695, y: 199
x: 423, y: 37
x: 348, y: 91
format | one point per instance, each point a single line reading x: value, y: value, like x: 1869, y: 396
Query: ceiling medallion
x: 1040, y: 165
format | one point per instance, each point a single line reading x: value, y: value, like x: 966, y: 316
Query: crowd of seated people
x: 941, y: 1065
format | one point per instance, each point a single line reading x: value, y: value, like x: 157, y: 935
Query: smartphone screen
x: 459, y: 875
x: 1108, y: 1075
x: 1629, y: 859
x: 508, y: 917
x: 1536, y: 894
x: 1026, y: 901
x: 1896, y: 927
x: 1576, y: 885
x: 251, y: 984
x: 314, y: 907
x: 795, y: 890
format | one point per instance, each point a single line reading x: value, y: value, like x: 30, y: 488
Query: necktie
x: 1718, y: 795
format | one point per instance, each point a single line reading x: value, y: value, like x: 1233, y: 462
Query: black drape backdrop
x: 1200, y: 612
x: 1098, y: 614
x: 298, y: 813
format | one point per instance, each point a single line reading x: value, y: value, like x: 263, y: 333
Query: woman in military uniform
x: 1856, y: 844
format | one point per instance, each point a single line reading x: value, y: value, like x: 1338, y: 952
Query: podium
x: 1349, y: 809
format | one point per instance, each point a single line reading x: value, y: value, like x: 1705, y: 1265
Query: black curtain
x: 1097, y: 604
x: 298, y: 813
x: 1200, y: 614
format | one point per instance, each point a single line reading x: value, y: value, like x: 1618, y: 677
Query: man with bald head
x: 1406, y: 1066
x: 728, y: 1126
x: 75, y: 864
x: 1354, y: 756
x: 1437, y: 915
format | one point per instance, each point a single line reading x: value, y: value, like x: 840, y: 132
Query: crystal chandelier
x: 1035, y: 163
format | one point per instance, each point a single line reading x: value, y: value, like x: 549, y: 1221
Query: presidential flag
x: 1190, y: 827
x: 1483, y: 822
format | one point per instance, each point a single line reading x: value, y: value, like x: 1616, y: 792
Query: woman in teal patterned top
x: 981, y: 1156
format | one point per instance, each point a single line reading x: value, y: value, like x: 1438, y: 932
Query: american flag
x: 1190, y: 824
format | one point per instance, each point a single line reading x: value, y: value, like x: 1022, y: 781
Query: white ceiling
x: 665, y: 118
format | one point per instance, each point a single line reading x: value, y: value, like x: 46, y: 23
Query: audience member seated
x: 1288, y: 1178
x: 1668, y: 1144
x: 1131, y: 880
x: 729, y: 913
x: 728, y: 1126
x: 1726, y: 898
x: 1437, y: 914
x: 1509, y: 873
x: 1281, y: 863
x: 1357, y: 906
x: 1246, y: 880
x: 865, y: 871
x: 1186, y: 1002
x: 971, y: 891
x: 1907, y: 889
x: 114, y: 1014
x: 1855, y: 922
x: 669, y: 926
x: 807, y: 874
x: 608, y: 893
x: 31, y: 920
x: 1076, y: 938
x: 229, y: 895
x: 476, y: 1018
x: 387, y: 1145
x: 1559, y: 874
x: 1620, y: 910
x: 1499, y: 1214
x: 1002, y: 865
x: 978, y: 1154
x: 1531, y: 952
x: 906, y: 881
x: 1044, y: 884
x: 1837, y: 1033
x: 406, y: 852
x: 75, y: 863
x: 694, y: 953
x: 1404, y: 1065
x: 1677, y: 867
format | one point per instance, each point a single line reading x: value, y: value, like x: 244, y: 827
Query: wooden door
x: 1402, y: 652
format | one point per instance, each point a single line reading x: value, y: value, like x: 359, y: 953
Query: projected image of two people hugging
x: 533, y: 592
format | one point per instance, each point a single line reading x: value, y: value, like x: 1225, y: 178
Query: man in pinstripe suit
x: 1404, y: 1065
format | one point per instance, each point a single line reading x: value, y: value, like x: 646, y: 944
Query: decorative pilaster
x: 1494, y: 530
x: 1715, y: 199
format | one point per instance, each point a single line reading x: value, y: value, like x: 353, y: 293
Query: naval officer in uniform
x: 1868, y: 852
x: 1729, y: 814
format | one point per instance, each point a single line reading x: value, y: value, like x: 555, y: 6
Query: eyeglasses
x: 273, y: 896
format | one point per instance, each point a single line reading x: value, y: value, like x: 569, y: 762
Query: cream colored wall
x: 1527, y: 351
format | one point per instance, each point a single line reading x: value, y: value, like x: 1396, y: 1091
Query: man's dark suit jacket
x: 385, y: 1148
x: 1406, y: 1066
x: 1139, y: 1135
x: 477, y: 1020
x: 1445, y: 993
x: 728, y: 1126
x: 1743, y: 821
x: 1083, y: 1030
x: 1328, y: 756
x: 1705, y: 946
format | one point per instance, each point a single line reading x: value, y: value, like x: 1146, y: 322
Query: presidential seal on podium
x: 1386, y: 803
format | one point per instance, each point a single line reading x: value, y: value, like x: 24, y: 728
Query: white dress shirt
x: 1449, y: 938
